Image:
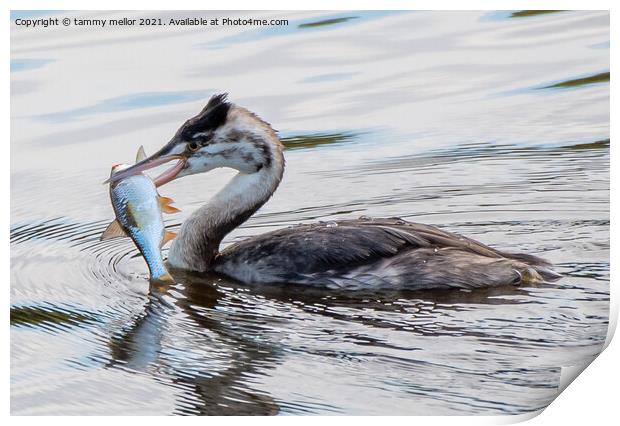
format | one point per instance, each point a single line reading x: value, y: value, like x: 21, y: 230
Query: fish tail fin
x: 161, y: 283
x: 164, y: 278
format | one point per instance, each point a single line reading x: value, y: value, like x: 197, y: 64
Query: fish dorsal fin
x: 168, y: 236
x: 141, y: 154
x: 113, y: 230
x: 164, y: 204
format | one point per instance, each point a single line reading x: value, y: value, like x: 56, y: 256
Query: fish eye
x: 193, y: 146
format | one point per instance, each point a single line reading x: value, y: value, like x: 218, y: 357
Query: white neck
x: 200, y: 236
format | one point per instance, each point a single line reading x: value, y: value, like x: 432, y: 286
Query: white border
x: 311, y: 5
x: 593, y: 396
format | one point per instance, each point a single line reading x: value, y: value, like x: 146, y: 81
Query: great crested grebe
x: 345, y: 254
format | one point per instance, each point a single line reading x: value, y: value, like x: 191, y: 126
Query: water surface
x: 494, y: 125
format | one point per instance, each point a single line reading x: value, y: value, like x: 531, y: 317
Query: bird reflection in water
x: 203, y: 305
x: 141, y: 348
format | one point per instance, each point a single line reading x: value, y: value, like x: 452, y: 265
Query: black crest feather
x: 212, y: 116
x: 216, y: 100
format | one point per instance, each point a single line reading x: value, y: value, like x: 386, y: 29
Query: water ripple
x: 422, y: 115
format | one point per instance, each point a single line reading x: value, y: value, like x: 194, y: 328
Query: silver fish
x: 138, y: 208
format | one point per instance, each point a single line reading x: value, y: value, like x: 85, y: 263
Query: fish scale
x: 135, y: 203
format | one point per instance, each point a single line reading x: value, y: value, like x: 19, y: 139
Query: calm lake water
x: 490, y: 124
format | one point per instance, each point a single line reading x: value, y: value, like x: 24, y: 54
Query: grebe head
x: 221, y: 135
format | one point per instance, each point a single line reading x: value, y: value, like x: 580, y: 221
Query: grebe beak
x: 162, y: 156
